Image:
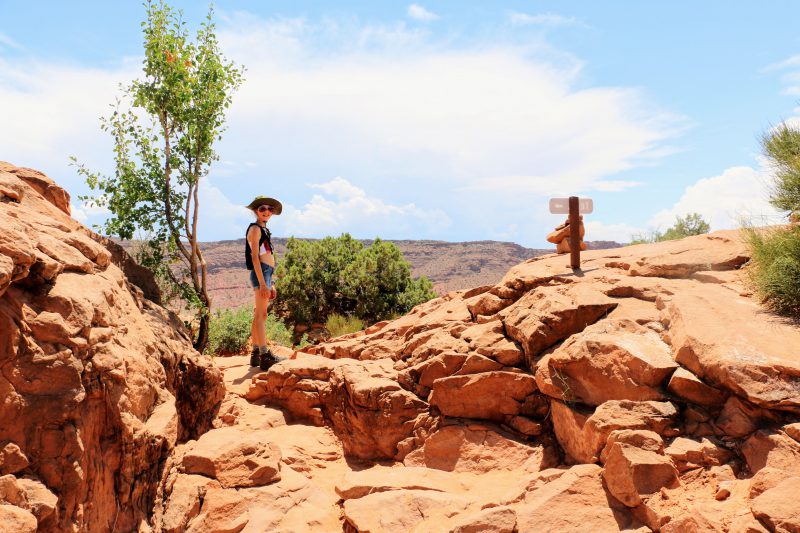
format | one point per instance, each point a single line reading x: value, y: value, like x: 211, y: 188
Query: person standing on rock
x: 260, y: 260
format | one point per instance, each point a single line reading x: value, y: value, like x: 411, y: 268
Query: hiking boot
x: 255, y: 358
x: 267, y: 360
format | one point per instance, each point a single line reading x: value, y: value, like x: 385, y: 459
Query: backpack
x: 265, y: 236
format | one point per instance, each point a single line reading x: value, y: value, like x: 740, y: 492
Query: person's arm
x: 253, y: 236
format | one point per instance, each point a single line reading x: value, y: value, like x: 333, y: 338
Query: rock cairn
x: 560, y: 236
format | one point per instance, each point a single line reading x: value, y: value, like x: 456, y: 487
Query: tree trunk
x: 202, y: 333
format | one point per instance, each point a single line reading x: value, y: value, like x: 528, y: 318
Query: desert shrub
x: 230, y: 330
x: 775, y: 269
x: 338, y: 325
x: 691, y: 224
x: 775, y: 252
x: 340, y: 275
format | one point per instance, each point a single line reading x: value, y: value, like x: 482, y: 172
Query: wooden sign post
x: 575, y: 207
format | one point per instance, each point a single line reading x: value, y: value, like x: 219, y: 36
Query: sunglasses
x: 263, y: 208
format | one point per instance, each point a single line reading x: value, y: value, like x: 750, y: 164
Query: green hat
x: 262, y: 200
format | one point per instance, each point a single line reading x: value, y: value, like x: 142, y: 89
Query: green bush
x: 338, y: 325
x: 775, y: 270
x: 775, y: 252
x: 230, y: 330
x: 691, y: 224
x: 318, y: 278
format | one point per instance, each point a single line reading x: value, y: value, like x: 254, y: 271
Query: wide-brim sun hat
x: 265, y: 200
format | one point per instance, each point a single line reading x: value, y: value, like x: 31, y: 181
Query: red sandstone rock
x: 611, y: 360
x: 686, y: 385
x: 234, y: 458
x: 489, y: 339
x: 548, y: 315
x: 765, y: 448
x: 383, y: 479
x: 583, y: 434
x: 406, y: 510
x: 491, y: 520
x: 98, y: 383
x: 12, y: 460
x: 17, y: 520
x: 631, y: 473
x: 575, y: 501
x: 488, y: 395
x: 638, y: 438
x: 364, y: 405
x: 688, y: 454
x: 721, y: 338
x: 479, y: 449
x: 777, y: 507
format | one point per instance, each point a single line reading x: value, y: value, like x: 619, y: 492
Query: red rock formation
x: 97, y: 383
x: 651, y: 392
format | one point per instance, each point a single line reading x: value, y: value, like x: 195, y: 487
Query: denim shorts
x: 267, y: 270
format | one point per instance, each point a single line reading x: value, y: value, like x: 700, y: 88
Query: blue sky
x: 437, y: 120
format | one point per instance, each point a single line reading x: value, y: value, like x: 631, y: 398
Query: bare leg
x: 259, y: 320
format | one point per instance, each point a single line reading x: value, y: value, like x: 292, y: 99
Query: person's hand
x: 273, y: 293
x: 263, y: 291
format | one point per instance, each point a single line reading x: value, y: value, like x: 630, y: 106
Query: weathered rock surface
x: 612, y: 360
x: 361, y: 400
x: 583, y: 434
x: 234, y: 458
x: 734, y: 345
x: 482, y: 410
x: 777, y: 507
x: 97, y: 383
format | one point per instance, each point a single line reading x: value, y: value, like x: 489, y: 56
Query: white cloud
x: 466, y: 116
x: 544, y: 19
x: 429, y: 127
x: 739, y: 193
x: 417, y: 12
x: 352, y: 210
x: 600, y: 231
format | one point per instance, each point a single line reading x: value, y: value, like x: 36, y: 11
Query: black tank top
x: 265, y: 237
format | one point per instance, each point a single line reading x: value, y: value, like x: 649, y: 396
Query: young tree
x: 164, y: 127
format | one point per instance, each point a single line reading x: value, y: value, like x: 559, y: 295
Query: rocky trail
x: 648, y: 391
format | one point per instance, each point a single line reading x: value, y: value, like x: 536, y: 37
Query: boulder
x: 12, y: 460
x: 688, y: 454
x: 774, y: 449
x: 583, y: 434
x: 40, y: 500
x: 719, y: 336
x: 184, y: 501
x: 638, y: 438
x: 489, y: 339
x: 689, y: 387
x: 234, y: 458
x: 548, y: 315
x: 739, y: 418
x: 777, y: 507
x: 479, y: 449
x: 612, y: 360
x: 360, y: 400
x: 632, y: 473
x: 488, y: 395
x: 16, y: 520
x: 574, y: 501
